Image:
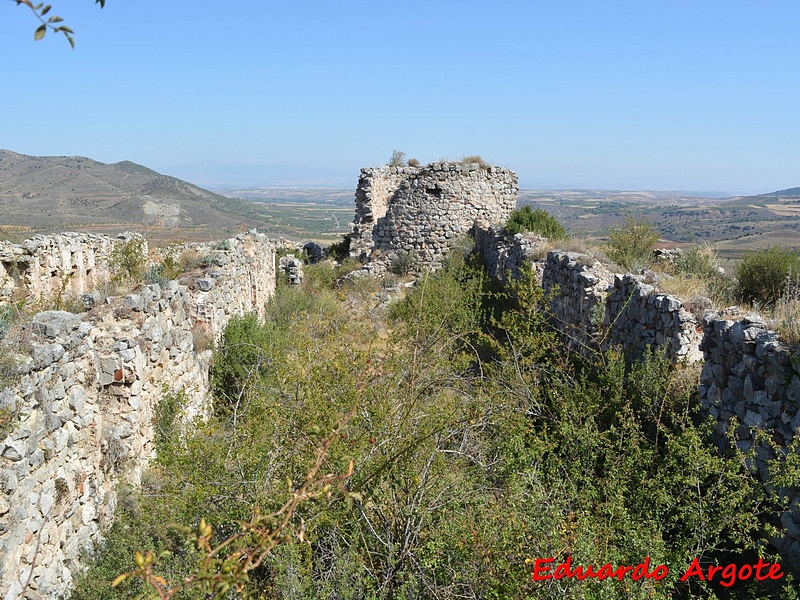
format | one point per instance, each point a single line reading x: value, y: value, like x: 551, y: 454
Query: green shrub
x: 340, y: 250
x: 763, y: 274
x: 404, y: 263
x: 7, y: 318
x: 413, y: 162
x: 347, y: 266
x: 224, y: 245
x: 166, y: 424
x: 129, y: 260
x: 695, y: 273
x: 536, y: 221
x: 631, y: 243
x: 699, y: 261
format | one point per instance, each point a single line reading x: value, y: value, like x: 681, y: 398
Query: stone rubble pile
x: 291, y: 269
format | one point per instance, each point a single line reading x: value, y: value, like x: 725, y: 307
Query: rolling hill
x: 59, y: 193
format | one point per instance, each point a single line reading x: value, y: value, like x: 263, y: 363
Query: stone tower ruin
x: 420, y: 210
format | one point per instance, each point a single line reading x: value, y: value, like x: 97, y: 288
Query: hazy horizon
x: 612, y: 95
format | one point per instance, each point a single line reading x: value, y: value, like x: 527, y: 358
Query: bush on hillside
x: 404, y: 263
x: 340, y: 250
x: 763, y: 274
x: 631, y: 243
x: 700, y: 261
x: 536, y: 221
x: 129, y: 260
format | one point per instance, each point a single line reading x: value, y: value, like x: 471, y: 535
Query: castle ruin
x: 420, y: 210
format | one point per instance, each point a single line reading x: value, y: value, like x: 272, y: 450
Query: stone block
x: 134, y: 302
x: 53, y: 323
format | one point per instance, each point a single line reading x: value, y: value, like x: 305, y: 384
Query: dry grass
x: 189, y: 259
x: 683, y: 287
x: 785, y: 316
x: 785, y: 319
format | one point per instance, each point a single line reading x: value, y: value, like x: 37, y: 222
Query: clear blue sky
x: 695, y: 95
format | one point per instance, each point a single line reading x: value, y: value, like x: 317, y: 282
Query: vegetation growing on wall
x: 128, y: 261
x: 537, y: 221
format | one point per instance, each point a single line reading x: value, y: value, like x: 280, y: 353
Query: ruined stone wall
x: 640, y: 317
x: 750, y: 375
x: 83, y: 408
x: 577, y: 286
x: 595, y: 308
x: 747, y: 374
x: 421, y: 209
x: 508, y: 256
x: 49, y: 265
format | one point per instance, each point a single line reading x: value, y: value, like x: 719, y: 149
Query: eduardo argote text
x: 726, y: 576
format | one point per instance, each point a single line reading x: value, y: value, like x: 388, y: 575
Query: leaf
x: 119, y: 579
x: 70, y: 40
x: 40, y: 31
x: 55, y: 19
x: 45, y: 10
x: 102, y: 3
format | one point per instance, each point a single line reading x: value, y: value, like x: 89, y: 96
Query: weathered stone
x: 134, y: 302
x: 45, y: 355
x: 204, y: 284
x: 53, y: 323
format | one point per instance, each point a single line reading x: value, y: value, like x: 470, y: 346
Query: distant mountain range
x: 60, y: 193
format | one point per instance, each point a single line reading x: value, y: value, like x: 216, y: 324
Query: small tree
x: 631, y: 243
x: 398, y: 159
x: 536, y: 221
x: 340, y: 250
x: 129, y: 260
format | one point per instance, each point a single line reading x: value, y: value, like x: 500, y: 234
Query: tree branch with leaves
x: 51, y: 22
